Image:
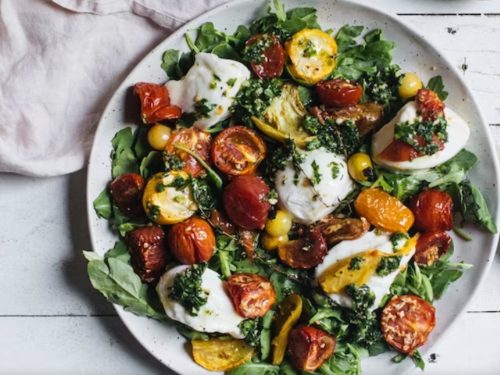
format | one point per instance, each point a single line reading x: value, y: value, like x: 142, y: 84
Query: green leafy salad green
x: 296, y: 293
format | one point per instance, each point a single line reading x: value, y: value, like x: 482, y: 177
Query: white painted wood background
x: 52, y: 322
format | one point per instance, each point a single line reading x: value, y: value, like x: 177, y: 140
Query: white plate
x: 412, y: 53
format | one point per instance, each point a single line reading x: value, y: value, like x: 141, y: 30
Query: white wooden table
x: 51, y: 321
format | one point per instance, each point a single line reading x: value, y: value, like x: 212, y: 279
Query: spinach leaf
x: 114, y: 277
x: 102, y: 204
x: 123, y: 156
x: 151, y: 163
x: 175, y: 64
x: 253, y: 368
x: 436, y: 84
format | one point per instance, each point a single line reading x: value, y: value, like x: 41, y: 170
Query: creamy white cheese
x: 307, y: 199
x: 373, y: 240
x: 217, y: 315
x: 458, y: 133
x: 212, y: 81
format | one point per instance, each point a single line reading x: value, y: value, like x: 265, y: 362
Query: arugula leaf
x: 123, y: 156
x: 114, y: 277
x: 102, y: 204
x: 252, y: 368
x: 436, y: 84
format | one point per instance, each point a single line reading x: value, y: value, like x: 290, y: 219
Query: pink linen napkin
x: 60, y: 61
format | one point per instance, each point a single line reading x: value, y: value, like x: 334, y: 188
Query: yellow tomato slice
x: 221, y: 354
x: 289, y: 311
x: 166, y: 200
x: 312, y: 54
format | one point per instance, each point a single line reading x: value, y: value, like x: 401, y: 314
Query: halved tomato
x: 237, y: 151
x: 431, y: 246
x: 252, y: 295
x: 194, y: 139
x: 406, y: 322
x: 266, y: 55
x: 304, y: 252
x: 155, y: 103
x: 339, y: 93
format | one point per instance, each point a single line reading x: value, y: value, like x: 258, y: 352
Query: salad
x: 286, y: 198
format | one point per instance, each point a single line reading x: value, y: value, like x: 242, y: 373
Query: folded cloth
x: 60, y: 62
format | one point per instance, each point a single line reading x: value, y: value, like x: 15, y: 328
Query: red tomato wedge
x: 339, y: 93
x: 271, y: 60
x: 155, y: 103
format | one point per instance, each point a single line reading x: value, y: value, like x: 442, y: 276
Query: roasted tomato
x: 246, y: 239
x: 220, y: 221
x: 309, y: 347
x: 194, y: 139
x: 155, y: 103
x: 147, y: 252
x: 431, y: 246
x: 398, y: 150
x: 221, y: 353
x: 192, y: 241
x: 433, y: 210
x: 252, y: 295
x: 383, y: 211
x: 406, y: 322
x: 238, y: 150
x: 339, y: 93
x: 305, y: 252
x: 266, y: 55
x: 126, y: 191
x: 429, y: 105
x: 367, y: 116
x: 336, y: 229
x: 245, y: 202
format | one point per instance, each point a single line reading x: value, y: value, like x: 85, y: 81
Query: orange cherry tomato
x: 339, y: 93
x: 431, y: 246
x: 155, y: 103
x: 194, y: 139
x: 238, y: 151
x: 252, y: 295
x: 406, y: 322
x: 305, y: 252
x: 433, y: 210
x: 383, y: 210
x: 309, y: 347
x: 271, y: 61
x: 192, y: 241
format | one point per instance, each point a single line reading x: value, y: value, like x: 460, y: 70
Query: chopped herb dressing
x: 186, y: 289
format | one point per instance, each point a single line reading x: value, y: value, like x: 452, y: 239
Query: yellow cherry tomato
x: 280, y: 225
x: 271, y: 243
x: 409, y: 86
x: 289, y: 311
x: 312, y: 54
x: 359, y: 166
x: 158, y: 136
x: 221, y: 354
x: 168, y: 198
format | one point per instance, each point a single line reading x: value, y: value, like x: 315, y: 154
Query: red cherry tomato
x: 433, y: 210
x: 304, y: 252
x: 309, y: 347
x: 192, y: 241
x: 245, y: 202
x: 238, y: 150
x: 406, y: 322
x: 431, y: 246
x: 155, y: 103
x: 194, y: 139
x: 252, y: 295
x: 126, y: 191
x: 429, y: 106
x: 271, y: 60
x: 220, y: 221
x: 339, y: 93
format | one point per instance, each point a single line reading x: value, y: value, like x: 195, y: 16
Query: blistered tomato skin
x: 431, y: 246
x: 194, y: 139
x: 339, y: 93
x: 148, y: 252
x: 384, y: 211
x: 155, y: 103
x: 252, y: 295
x: 406, y: 322
x: 429, y: 105
x: 245, y: 202
x: 238, y: 151
x: 433, y: 210
x: 192, y: 241
x: 309, y: 347
x: 305, y: 252
x: 126, y: 192
x: 271, y: 62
